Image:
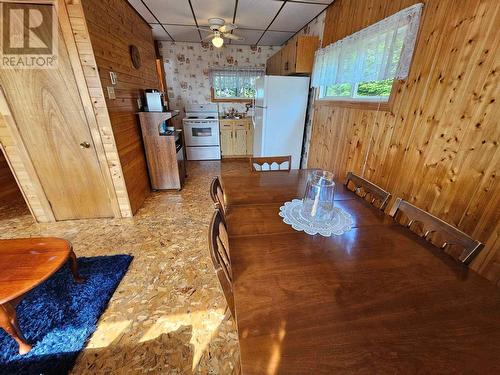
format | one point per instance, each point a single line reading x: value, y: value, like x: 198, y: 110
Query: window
x: 370, y: 91
x: 363, y: 66
x: 234, y: 83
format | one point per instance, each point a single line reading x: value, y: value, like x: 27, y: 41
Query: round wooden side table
x: 24, y: 264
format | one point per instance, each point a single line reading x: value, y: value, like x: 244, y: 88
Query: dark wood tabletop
x: 26, y: 263
x: 377, y: 299
x: 269, y: 187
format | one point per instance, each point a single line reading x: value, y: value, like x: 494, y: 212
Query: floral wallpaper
x: 187, y: 67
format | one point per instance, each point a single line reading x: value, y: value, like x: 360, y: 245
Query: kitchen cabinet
x: 226, y: 137
x: 296, y: 57
x: 273, y: 66
x: 236, y: 137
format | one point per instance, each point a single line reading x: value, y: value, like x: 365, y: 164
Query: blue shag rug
x: 59, y: 316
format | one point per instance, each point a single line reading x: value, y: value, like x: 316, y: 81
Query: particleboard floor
x: 167, y: 315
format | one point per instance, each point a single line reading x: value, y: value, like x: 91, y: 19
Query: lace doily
x: 291, y: 214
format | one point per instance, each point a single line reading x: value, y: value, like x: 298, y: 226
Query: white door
x: 284, y: 121
x: 258, y: 115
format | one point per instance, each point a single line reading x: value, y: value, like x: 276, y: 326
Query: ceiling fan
x: 219, y: 30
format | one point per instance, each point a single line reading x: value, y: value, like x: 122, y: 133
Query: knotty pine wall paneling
x: 438, y: 146
x: 113, y: 25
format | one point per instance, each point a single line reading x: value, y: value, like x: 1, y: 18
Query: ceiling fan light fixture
x: 217, y: 41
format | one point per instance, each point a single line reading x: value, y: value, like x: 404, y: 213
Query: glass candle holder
x: 317, y: 204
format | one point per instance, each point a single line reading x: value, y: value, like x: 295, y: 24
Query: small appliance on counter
x: 201, y: 132
x: 153, y: 101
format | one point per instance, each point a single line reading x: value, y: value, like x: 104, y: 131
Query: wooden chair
x: 368, y: 190
x: 217, y: 194
x: 449, y: 235
x: 219, y: 251
x: 271, y: 163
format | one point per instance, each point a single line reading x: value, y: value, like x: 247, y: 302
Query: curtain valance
x: 234, y: 77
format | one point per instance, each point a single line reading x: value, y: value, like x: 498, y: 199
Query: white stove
x: 201, y: 131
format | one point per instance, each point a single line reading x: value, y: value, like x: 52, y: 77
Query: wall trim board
x: 438, y: 146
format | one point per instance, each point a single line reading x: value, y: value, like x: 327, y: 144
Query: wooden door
x: 273, y: 66
x: 226, y: 139
x: 49, y: 114
x: 270, y: 65
x: 284, y: 60
x: 304, y: 55
x: 240, y: 141
x: 292, y: 55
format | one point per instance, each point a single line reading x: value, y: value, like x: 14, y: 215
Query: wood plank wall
x: 113, y: 26
x: 438, y: 147
x: 9, y: 191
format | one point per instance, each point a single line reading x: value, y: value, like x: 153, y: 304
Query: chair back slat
x: 368, y: 190
x: 271, y: 163
x: 217, y: 194
x: 219, y: 252
x: 432, y: 224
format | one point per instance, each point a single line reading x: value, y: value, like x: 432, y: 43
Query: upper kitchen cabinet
x: 296, y: 57
x: 273, y: 65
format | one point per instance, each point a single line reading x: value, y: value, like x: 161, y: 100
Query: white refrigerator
x: 279, y: 116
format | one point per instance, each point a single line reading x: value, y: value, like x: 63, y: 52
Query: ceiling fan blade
x: 208, y: 37
x: 232, y: 36
x: 227, y: 27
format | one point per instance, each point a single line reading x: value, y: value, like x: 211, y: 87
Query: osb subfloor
x: 167, y: 315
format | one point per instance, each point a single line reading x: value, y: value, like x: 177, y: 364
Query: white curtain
x: 381, y: 51
x: 234, y: 78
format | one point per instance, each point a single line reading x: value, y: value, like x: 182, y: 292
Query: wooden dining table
x: 377, y: 299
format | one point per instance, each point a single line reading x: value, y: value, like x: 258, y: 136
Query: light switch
x: 111, y: 92
x: 114, y: 78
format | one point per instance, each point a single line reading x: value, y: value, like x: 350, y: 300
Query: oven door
x: 201, y: 133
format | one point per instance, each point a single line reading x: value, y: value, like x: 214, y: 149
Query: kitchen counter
x: 233, y: 118
x: 168, y: 114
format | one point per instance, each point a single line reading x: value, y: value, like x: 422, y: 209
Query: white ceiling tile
x: 205, y: 9
x: 275, y: 38
x: 159, y: 33
x: 142, y: 10
x: 294, y: 16
x: 251, y: 36
x: 183, y: 33
x: 256, y: 14
x: 171, y: 11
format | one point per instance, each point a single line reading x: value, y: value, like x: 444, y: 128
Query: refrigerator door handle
x: 253, y: 112
x: 260, y: 106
